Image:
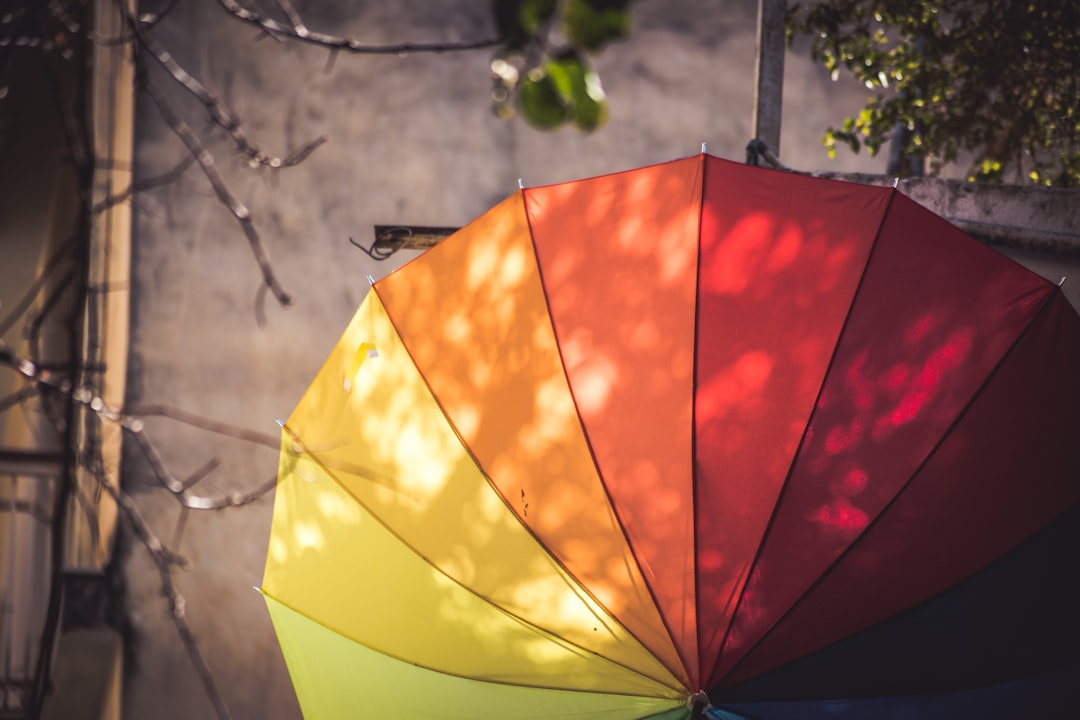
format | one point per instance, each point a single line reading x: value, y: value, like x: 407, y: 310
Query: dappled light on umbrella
x: 692, y: 427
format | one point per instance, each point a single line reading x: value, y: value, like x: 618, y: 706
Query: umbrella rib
x: 575, y: 587
x: 596, y: 466
x: 693, y: 414
x: 315, y: 620
x: 1047, y: 301
x: 802, y: 438
x: 802, y: 699
x: 568, y: 644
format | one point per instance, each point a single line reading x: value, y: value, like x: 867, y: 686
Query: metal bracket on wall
x: 391, y: 238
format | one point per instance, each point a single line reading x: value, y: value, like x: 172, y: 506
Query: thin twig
x: 260, y: 306
x: 149, y: 183
x: 201, y: 474
x: 180, y: 489
x: 59, y: 256
x: 137, y: 428
x: 231, y: 500
x: 181, y: 526
x: 293, y: 16
x: 149, y: 20
x: 219, y: 113
x: 217, y: 182
x: 52, y: 300
x: 347, y: 44
x: 163, y: 560
x: 301, y: 154
x: 17, y: 397
x: 153, y: 457
x: 203, y: 423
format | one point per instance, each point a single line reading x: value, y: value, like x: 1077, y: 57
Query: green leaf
x: 591, y: 116
x: 591, y: 24
x: 540, y: 101
x: 580, y: 90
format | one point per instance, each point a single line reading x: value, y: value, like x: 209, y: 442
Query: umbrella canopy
x: 798, y: 443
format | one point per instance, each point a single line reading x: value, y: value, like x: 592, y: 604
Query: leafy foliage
x: 543, y: 66
x: 995, y: 80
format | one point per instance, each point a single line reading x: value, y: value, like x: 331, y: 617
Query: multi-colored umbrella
x: 796, y: 443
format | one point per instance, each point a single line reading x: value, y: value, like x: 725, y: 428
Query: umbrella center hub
x: 698, y: 704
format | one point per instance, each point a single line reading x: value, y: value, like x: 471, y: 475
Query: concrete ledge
x: 1022, y: 217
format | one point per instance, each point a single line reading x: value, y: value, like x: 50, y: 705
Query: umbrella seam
x: 576, y: 587
x: 564, y: 642
x: 900, y: 491
x: 802, y: 440
x: 934, y: 693
x: 338, y: 633
x: 693, y: 415
x: 596, y: 466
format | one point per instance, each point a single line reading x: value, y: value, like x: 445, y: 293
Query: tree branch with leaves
x: 993, y: 82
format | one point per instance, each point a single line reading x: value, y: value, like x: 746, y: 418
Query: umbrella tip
x: 896, y: 182
x: 256, y: 588
x: 521, y: 184
x: 1062, y: 280
x: 698, y: 704
x: 702, y: 148
x: 370, y: 280
x: 280, y: 423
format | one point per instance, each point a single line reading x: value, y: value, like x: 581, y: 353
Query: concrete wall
x: 412, y: 141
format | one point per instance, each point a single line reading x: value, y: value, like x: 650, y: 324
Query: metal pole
x: 769, y: 72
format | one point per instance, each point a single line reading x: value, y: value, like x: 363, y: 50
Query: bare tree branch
x: 17, y: 397
x: 149, y: 183
x: 163, y: 560
x: 215, y: 426
x: 134, y: 425
x: 50, y: 303
x: 153, y: 457
x: 180, y: 489
x: 220, y: 114
x: 202, y: 473
x: 299, y: 31
x: 61, y: 254
x: 149, y: 20
x: 217, y: 182
x: 293, y: 16
x: 162, y: 556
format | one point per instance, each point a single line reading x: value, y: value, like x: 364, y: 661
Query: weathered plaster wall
x: 412, y: 141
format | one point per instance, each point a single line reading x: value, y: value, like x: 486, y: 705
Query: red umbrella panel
x: 760, y: 428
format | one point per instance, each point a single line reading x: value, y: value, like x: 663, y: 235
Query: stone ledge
x: 1015, y: 216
